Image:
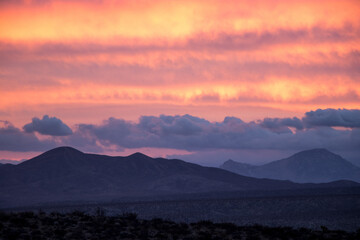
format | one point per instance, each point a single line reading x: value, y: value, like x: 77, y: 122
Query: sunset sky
x: 200, y: 80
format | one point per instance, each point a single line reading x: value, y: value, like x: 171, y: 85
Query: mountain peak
x: 234, y: 166
x: 59, y: 154
x: 316, y: 152
x: 63, y: 149
x: 229, y: 161
x: 139, y: 155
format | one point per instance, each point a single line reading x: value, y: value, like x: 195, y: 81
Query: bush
x: 130, y: 216
x: 100, y: 212
x: 128, y: 226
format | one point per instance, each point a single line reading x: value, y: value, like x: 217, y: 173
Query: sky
x: 202, y: 81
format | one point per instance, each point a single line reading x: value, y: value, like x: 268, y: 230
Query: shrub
x: 130, y: 216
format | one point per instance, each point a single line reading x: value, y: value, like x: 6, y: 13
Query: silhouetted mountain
x: 66, y: 174
x: 317, y: 166
x: 3, y: 164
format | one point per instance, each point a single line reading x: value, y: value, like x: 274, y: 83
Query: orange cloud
x: 272, y: 54
x: 55, y: 20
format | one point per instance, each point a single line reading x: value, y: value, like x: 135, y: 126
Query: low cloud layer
x: 13, y: 139
x: 48, y: 126
x: 282, y: 124
x: 186, y: 132
x: 196, y: 134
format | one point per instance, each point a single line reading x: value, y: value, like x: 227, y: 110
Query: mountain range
x: 316, y: 166
x: 66, y: 174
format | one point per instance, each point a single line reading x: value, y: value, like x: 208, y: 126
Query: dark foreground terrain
x: 78, y: 225
x: 334, y: 210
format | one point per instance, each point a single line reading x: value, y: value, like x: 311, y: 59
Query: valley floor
x: 335, y: 211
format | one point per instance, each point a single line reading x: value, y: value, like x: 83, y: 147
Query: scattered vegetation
x: 78, y: 225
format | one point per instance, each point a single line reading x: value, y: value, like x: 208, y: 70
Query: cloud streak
x: 166, y: 57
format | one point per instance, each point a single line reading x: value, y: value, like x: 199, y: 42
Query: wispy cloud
x: 171, y: 57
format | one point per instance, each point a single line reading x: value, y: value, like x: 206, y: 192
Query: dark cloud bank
x: 314, y: 130
x: 48, y: 126
x: 333, y: 118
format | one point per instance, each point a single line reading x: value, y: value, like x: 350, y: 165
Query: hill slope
x: 66, y: 174
x: 316, y: 165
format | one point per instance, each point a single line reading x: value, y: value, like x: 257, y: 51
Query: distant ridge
x: 14, y: 162
x: 315, y: 165
x: 66, y: 174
